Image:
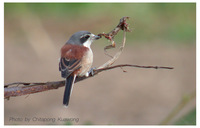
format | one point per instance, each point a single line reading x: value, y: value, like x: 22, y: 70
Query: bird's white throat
x: 88, y: 43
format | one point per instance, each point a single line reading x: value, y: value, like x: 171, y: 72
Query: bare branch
x: 113, y: 59
x: 30, y: 88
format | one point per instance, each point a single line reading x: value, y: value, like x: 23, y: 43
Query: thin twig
x: 121, y: 26
x: 131, y: 65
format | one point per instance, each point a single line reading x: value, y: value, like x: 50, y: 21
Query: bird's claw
x: 92, y: 71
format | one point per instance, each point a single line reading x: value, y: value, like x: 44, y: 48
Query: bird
x: 76, y: 60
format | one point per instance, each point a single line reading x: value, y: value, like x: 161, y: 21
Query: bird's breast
x: 86, y: 63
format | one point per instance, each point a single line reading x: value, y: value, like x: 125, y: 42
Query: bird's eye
x: 85, y: 36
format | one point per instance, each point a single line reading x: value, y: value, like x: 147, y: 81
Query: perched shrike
x: 76, y: 59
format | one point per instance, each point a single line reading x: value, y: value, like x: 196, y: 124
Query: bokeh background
x: 163, y: 34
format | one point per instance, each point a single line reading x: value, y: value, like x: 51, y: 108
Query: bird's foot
x: 91, y: 72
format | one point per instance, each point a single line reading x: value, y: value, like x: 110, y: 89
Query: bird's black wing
x: 67, y: 66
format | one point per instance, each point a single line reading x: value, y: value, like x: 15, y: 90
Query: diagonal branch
x: 113, y: 59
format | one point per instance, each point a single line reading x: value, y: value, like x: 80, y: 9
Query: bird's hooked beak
x: 96, y: 37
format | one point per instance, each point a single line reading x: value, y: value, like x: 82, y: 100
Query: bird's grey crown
x: 77, y: 39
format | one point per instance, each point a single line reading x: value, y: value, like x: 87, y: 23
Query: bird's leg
x: 91, y: 72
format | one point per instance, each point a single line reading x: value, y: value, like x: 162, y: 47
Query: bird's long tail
x: 69, y: 83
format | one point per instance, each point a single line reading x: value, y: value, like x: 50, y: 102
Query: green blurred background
x: 175, y: 22
x: 162, y: 34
